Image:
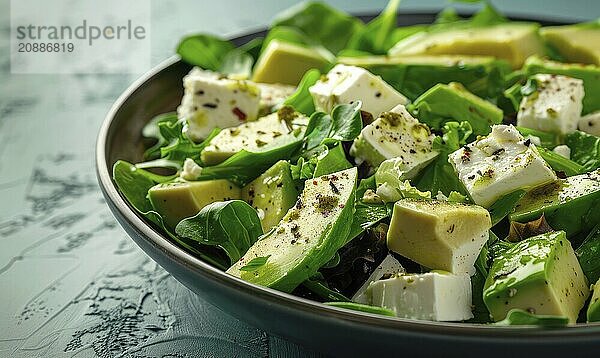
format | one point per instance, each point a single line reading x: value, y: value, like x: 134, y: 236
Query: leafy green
x: 367, y: 215
x: 344, y: 124
x: 179, y: 146
x: 588, y: 254
x: 237, y: 62
x: 324, y: 161
x: 330, y: 27
x: 301, y: 100
x: 319, y: 287
x: 560, y: 163
x: 255, y: 263
x: 205, y: 51
x: 516, y: 92
x: 547, y: 140
x: 362, y: 308
x: 374, y: 37
x: 151, y: 130
x: 585, y: 149
x: 518, y: 317
x: 503, y: 206
x: 231, y: 225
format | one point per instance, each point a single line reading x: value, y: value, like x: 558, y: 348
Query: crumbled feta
x: 191, y: 170
x: 555, y: 106
x: 273, y: 95
x: 590, y: 123
x: 211, y: 100
x: 498, y: 164
x: 388, y: 267
x: 563, y: 150
x: 434, y: 296
x: 347, y: 84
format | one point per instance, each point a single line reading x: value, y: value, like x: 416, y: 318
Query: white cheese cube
x: 498, y: 164
x: 554, y: 107
x: 388, y: 267
x: 563, y: 150
x: 272, y: 95
x: 590, y: 123
x: 395, y: 134
x: 211, y: 100
x: 347, y: 84
x: 433, y: 296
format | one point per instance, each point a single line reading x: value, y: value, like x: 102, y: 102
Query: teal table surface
x: 71, y: 282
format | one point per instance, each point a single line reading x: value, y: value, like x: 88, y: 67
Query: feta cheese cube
x: 395, y: 134
x: 272, y: 95
x: 388, y: 267
x: 590, y: 123
x: 347, y: 84
x: 563, y: 150
x: 434, y: 296
x: 555, y: 106
x: 211, y: 100
x: 498, y: 164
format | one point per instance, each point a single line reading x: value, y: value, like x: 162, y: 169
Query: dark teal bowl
x: 323, y: 328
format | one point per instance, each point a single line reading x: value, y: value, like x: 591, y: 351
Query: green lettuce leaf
x: 375, y: 36
x: 585, y: 149
x: 301, y: 100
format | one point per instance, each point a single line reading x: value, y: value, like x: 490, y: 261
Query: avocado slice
x: 413, y: 75
x: 252, y: 136
x: 178, y: 200
x: 306, y: 238
x: 452, y: 102
x: 272, y: 194
x: 286, y: 62
x: 589, y: 74
x: 541, y: 275
x: 577, y: 43
x: 438, y: 234
x: 593, y: 311
x: 571, y: 204
x: 513, y: 42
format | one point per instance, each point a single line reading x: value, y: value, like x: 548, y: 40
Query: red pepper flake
x: 238, y: 112
x: 314, y: 182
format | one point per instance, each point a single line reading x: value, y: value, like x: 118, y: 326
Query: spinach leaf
x: 518, y: 317
x: 180, y: 146
x: 301, y: 100
x: 151, y: 130
x: 585, y: 149
x: 237, y: 62
x: 330, y: 27
x: 331, y: 161
x: 319, y: 287
x: 587, y: 254
x: 362, y: 308
x: 231, y: 225
x: 547, y: 140
x: 344, y: 124
x: 560, y: 163
x: 505, y: 205
x: 374, y: 37
x: 367, y: 215
x: 204, y: 51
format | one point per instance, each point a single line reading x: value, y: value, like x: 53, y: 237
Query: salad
x: 443, y: 172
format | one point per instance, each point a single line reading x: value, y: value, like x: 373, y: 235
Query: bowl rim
x: 306, y: 306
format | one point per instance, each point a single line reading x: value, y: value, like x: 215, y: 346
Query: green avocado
x: 306, y: 238
x: 413, y: 75
x: 593, y: 311
x: 452, y: 102
x: 576, y: 43
x: 571, y: 205
x: 541, y: 275
x: 589, y: 74
x: 178, y: 200
x: 286, y: 63
x: 272, y: 194
x: 513, y: 42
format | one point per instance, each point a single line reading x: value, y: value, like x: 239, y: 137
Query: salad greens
x: 489, y: 163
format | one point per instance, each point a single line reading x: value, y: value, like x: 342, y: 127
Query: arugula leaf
x: 180, y: 146
x: 518, y: 317
x: 505, y: 205
x: 151, y: 130
x: 231, y: 225
x: 255, y: 263
x: 330, y: 27
x: 301, y: 100
x: 560, y: 163
x: 362, y: 308
x: 204, y: 51
x: 374, y: 37
x: 587, y: 253
x: 585, y: 149
x: 344, y: 124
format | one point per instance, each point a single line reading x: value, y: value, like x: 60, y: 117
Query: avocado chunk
x: 271, y: 194
x: 252, y: 136
x: 513, y: 42
x: 182, y: 199
x: 593, y: 311
x: 438, y: 234
x: 541, y: 275
x: 577, y: 43
x: 413, y: 75
x: 286, y: 63
x: 306, y: 238
x: 571, y: 204
x: 453, y: 102
x: 589, y: 74
x: 395, y: 134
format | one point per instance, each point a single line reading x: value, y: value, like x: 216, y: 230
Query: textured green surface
x: 71, y: 281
